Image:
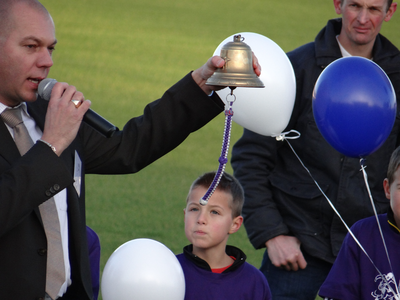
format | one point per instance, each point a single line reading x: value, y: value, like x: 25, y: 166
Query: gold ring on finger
x: 77, y: 103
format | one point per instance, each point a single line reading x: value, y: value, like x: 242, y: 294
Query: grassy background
x: 122, y: 54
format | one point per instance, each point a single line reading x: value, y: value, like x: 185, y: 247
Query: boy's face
x: 392, y: 192
x: 208, y: 227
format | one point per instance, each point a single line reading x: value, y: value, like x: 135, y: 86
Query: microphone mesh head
x: 45, y: 87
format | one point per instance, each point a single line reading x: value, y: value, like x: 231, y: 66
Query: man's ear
x: 236, y: 223
x: 338, y: 6
x: 390, y: 11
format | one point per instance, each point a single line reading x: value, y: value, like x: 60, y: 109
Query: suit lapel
x: 8, y: 148
x: 37, y: 110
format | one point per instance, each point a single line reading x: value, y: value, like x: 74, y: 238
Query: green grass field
x: 123, y: 54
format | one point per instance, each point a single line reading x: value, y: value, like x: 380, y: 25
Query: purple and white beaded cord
x: 223, y: 159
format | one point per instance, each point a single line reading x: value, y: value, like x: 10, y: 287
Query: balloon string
x: 363, y: 167
x: 224, y: 155
x: 344, y: 223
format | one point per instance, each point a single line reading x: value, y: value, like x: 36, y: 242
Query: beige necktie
x: 55, y: 274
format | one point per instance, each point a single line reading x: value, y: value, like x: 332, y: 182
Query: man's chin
x: 30, y: 98
x: 363, y: 39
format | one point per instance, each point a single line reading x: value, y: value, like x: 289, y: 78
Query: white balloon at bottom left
x: 143, y: 269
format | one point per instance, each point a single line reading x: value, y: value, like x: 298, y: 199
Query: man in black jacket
x: 65, y: 149
x: 284, y: 211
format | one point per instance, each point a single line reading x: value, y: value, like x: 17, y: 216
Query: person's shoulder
x: 302, y: 56
x: 252, y: 268
x: 367, y: 225
x: 386, y: 54
x: 253, y: 271
x: 388, y: 47
x: 306, y: 50
x: 366, y: 222
x: 302, y: 50
x: 181, y: 257
x: 253, y: 277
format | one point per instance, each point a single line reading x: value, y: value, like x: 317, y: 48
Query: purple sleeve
x: 343, y: 281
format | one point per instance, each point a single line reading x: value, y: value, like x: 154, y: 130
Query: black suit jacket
x: 28, y: 181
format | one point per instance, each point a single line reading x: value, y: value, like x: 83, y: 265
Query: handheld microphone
x: 91, y: 118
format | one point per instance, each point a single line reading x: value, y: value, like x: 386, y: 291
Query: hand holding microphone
x: 91, y: 118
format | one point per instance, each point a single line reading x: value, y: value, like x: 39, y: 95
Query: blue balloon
x: 354, y: 106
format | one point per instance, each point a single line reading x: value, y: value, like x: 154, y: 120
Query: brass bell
x: 238, y: 68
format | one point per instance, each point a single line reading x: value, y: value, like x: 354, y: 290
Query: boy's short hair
x: 228, y: 184
x: 394, y: 164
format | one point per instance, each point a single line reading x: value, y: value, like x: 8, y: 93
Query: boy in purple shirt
x: 212, y: 269
x: 353, y: 276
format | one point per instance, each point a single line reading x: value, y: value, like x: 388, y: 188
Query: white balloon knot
x: 285, y: 135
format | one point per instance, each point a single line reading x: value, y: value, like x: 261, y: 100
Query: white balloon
x: 143, y: 269
x: 265, y: 110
